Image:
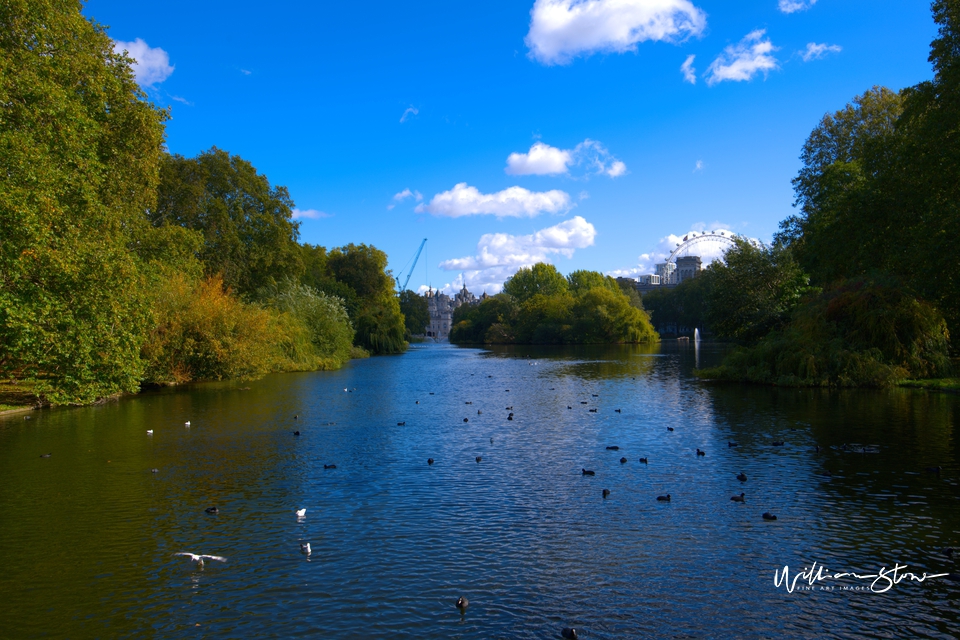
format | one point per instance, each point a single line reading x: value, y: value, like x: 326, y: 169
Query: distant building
x: 440, y: 307
x: 669, y: 274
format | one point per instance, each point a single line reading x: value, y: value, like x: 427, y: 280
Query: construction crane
x: 414, y: 266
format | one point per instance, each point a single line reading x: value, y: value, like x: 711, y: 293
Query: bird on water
x: 301, y: 513
x: 587, y: 472
x: 569, y: 633
x: 643, y: 460
x: 742, y: 477
x: 701, y: 453
x: 305, y: 548
x: 665, y: 498
x: 462, y: 604
x: 739, y: 498
x: 429, y: 460
x: 606, y: 492
x: 212, y: 510
x: 769, y: 516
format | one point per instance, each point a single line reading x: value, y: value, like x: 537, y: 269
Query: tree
x: 80, y: 149
x: 249, y: 235
x: 849, y: 223
x: 753, y: 291
x: 541, y: 278
x: 416, y: 313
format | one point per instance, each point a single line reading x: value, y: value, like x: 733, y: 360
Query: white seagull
x: 305, y: 548
x: 187, y: 423
x: 301, y: 513
x: 199, y: 558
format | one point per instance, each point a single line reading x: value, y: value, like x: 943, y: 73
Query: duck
x: 583, y: 402
x: 669, y: 428
x: 606, y: 492
x: 569, y: 633
x: 296, y: 433
x: 479, y: 458
x: 509, y: 409
x: 733, y: 444
x: 329, y: 466
x: 587, y: 472
x: 778, y: 443
x: 417, y: 402
x: 212, y: 510
x: 479, y: 413
x: 462, y: 604
x: 937, y: 469
x: 296, y: 416
x: 643, y: 460
x: 467, y: 403
x: 510, y: 417
x: 596, y: 395
x: 623, y: 461
x: 665, y: 498
x: 618, y: 410
x: 739, y: 498
x: 948, y: 551
x: 613, y: 448
x: 154, y: 470
x: 592, y: 410
x: 466, y: 419
x: 701, y: 453
x: 429, y: 460
x: 45, y: 455
x: 301, y: 513
x: 768, y: 516
x: 742, y: 477
x: 402, y: 424
x: 569, y: 407
x: 305, y: 548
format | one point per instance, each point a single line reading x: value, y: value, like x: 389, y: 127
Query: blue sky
x: 508, y: 132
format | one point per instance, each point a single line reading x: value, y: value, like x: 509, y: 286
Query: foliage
x: 359, y: 275
x: 416, y: 313
x: 584, y: 308
x: 328, y: 338
x: 541, y: 278
x: 860, y: 333
x: 249, y: 236
x: 751, y: 292
x: 79, y: 153
x: 201, y: 332
x: 380, y: 326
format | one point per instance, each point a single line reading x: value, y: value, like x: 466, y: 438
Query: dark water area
x: 87, y: 536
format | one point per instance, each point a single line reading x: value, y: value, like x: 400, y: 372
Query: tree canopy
x: 80, y: 150
x: 249, y: 236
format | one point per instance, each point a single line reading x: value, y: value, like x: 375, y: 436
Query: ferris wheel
x: 722, y: 240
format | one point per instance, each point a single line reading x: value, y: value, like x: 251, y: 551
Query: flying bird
x: 199, y: 558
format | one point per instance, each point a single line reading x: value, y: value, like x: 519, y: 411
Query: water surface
x: 87, y: 535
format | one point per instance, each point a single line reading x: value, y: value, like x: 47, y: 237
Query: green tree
x: 582, y: 281
x: 416, y: 313
x: 752, y: 291
x: 541, y: 278
x: 358, y: 274
x: 249, y: 235
x: 80, y: 149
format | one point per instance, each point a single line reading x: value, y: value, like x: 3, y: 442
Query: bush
x: 859, y: 333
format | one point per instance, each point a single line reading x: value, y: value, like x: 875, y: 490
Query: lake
x: 87, y: 535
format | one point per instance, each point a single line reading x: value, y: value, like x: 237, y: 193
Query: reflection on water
x: 87, y: 536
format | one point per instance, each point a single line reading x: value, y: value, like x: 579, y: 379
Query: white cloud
x: 698, y: 166
x: 542, y: 159
x: 743, y: 60
x: 410, y: 111
x: 151, y: 65
x: 816, y: 51
x: 518, y: 202
x: 689, y: 73
x: 403, y: 195
x: 563, y: 29
x: 311, y: 214
x: 789, y: 6
x: 500, y: 255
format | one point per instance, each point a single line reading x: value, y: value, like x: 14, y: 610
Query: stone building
x: 440, y: 307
